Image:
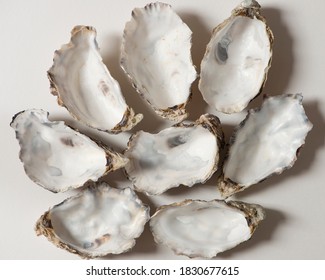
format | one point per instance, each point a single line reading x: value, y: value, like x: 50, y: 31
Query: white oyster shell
x: 57, y: 157
x: 99, y: 221
x: 156, y: 55
x: 266, y: 142
x: 85, y: 87
x: 203, y: 229
x: 238, y: 56
x: 184, y: 154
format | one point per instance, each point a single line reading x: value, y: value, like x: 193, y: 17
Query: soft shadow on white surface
x: 282, y: 66
x: 200, y: 38
x: 283, y: 60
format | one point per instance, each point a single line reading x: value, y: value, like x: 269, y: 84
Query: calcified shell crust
x: 238, y: 56
x: 99, y: 221
x: 156, y: 56
x: 57, y: 157
x: 197, y: 228
x: 185, y: 154
x: 265, y: 143
x: 83, y: 85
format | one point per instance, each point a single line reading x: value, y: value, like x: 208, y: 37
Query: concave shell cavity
x: 265, y: 143
x: 156, y: 56
x: 83, y: 85
x: 237, y: 59
x: 184, y: 154
x: 202, y: 229
x: 98, y: 221
x: 58, y: 157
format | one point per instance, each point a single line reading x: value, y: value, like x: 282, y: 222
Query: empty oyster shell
x: 57, y: 157
x: 99, y: 221
x: 266, y: 142
x: 156, y: 55
x: 186, y: 153
x: 85, y: 87
x: 237, y: 59
x: 197, y: 228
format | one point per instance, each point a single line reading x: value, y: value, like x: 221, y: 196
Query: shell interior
x: 99, y: 221
x: 204, y: 228
x: 279, y: 129
x: 236, y: 62
x: 183, y: 154
x: 50, y: 151
x: 156, y: 56
x: 85, y: 87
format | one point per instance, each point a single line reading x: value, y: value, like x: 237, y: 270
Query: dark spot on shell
x: 48, y: 124
x: 47, y: 223
x: 88, y: 245
x: 67, y: 141
x: 176, y: 141
x: 109, y: 162
x: 103, y: 86
x: 202, y: 209
x: 146, y: 163
x: 222, y: 50
x: 98, y: 242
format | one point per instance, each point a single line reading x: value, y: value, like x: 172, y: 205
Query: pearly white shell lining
x: 101, y: 220
x: 54, y: 155
x: 200, y: 228
x: 156, y: 55
x: 235, y: 64
x: 83, y: 83
x: 268, y: 140
x: 174, y: 156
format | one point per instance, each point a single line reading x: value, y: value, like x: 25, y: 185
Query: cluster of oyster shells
x: 156, y: 56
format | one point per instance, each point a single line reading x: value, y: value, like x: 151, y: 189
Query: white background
x: 294, y: 201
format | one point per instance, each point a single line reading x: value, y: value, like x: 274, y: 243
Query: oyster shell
x: 99, y: 221
x: 85, y: 87
x: 50, y: 151
x: 237, y: 59
x: 197, y: 228
x: 156, y: 55
x: 186, y: 153
x: 266, y: 142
